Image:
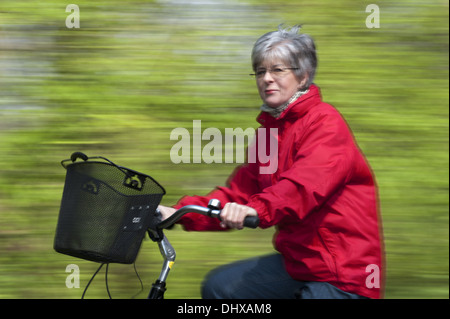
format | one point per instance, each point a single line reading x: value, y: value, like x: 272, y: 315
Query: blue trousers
x: 265, y: 278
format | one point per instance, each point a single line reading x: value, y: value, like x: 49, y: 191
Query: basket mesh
x: 105, y: 212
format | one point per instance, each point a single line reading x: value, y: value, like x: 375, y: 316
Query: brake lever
x: 154, y: 232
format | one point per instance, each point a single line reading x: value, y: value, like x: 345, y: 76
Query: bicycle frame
x: 168, y: 252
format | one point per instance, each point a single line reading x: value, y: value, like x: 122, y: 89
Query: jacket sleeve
x: 323, y: 154
x: 239, y: 187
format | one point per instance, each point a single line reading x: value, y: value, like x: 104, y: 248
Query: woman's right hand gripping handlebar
x: 234, y: 214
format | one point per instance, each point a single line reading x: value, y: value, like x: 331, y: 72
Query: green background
x: 136, y: 70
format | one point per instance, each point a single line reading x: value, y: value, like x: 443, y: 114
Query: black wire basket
x: 105, y: 210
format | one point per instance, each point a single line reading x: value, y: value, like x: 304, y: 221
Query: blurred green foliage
x: 135, y: 70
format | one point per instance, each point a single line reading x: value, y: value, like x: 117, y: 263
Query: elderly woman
x: 322, y: 198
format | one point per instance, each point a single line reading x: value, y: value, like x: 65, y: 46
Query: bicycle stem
x: 168, y: 253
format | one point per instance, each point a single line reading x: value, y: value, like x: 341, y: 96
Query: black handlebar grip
x: 251, y: 221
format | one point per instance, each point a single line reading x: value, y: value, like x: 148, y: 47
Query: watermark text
x: 229, y: 148
x: 373, y: 279
x: 373, y: 19
x: 73, y: 19
x: 73, y: 279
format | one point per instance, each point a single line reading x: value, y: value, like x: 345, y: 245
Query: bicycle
x: 107, y: 209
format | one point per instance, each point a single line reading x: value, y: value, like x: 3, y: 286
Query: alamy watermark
x: 373, y: 279
x: 223, y: 149
x: 73, y: 279
x: 373, y: 19
x: 73, y: 19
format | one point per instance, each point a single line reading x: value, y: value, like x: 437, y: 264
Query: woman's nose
x: 268, y: 77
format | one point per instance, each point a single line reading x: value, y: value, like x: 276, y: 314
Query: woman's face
x: 276, y: 83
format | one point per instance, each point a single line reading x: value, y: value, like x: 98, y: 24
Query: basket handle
x: 77, y: 155
x: 133, y: 179
x: 84, y: 157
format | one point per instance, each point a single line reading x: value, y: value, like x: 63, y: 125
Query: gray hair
x: 294, y: 49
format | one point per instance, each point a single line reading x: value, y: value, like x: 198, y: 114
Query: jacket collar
x: 296, y: 110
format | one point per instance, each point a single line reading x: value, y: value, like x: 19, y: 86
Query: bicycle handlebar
x: 211, y: 211
x: 166, y: 249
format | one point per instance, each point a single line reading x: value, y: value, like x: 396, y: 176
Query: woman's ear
x: 303, y: 82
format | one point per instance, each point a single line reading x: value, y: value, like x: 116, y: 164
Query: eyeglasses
x: 276, y: 72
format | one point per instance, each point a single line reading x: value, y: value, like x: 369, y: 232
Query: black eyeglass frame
x: 270, y: 71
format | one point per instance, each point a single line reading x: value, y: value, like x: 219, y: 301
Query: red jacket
x: 322, y: 199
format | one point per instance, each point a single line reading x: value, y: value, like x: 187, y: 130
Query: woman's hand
x: 166, y: 212
x: 233, y: 215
